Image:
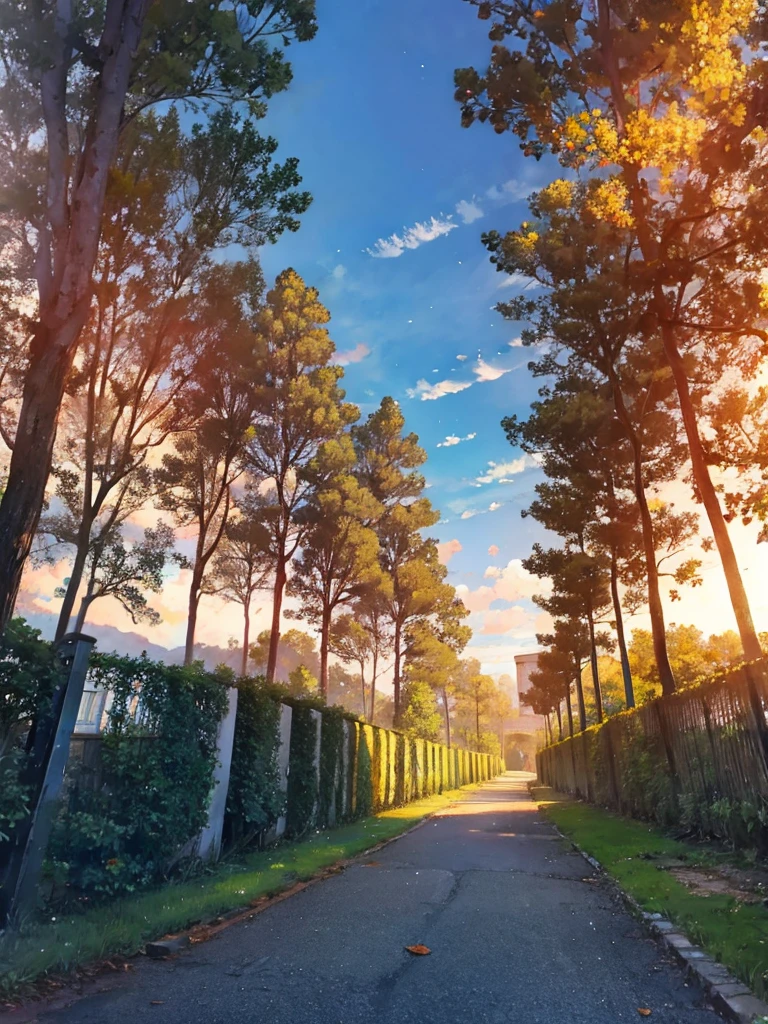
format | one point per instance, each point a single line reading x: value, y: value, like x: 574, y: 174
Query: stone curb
x: 730, y: 997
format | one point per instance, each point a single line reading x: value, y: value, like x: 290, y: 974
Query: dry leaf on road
x: 643, y: 1011
x: 419, y: 950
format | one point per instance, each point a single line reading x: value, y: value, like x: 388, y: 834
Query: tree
x: 299, y: 406
x: 125, y: 570
x: 162, y: 296
x: 420, y: 716
x: 371, y: 611
x: 568, y: 649
x: 579, y: 591
x: 675, y: 109
x: 195, y: 480
x: 474, y: 694
x: 434, y: 661
x: 240, y: 565
x: 72, y: 80
x: 296, y: 648
x: 350, y: 641
x: 339, y: 557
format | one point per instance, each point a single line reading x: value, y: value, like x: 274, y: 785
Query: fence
x: 697, y: 760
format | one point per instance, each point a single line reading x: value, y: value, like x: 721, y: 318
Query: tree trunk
x: 30, y: 464
x: 703, y: 480
x: 580, y: 698
x: 477, y: 722
x: 75, y: 578
x: 246, y: 637
x: 569, y: 711
x: 374, y: 670
x: 396, y: 677
x: 362, y: 687
x: 559, y: 720
x: 447, y: 719
x: 277, y: 604
x: 73, y: 230
x: 194, y: 602
x: 655, y: 607
x: 593, y: 665
x: 629, y: 690
x: 85, y: 604
x: 325, y: 630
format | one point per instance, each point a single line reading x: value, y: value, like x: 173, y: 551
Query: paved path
x: 520, y: 931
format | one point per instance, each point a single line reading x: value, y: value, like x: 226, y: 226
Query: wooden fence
x: 697, y: 759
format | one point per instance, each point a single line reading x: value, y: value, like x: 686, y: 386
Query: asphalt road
x: 519, y: 927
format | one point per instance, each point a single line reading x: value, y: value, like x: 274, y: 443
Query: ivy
x: 29, y: 673
x: 302, y: 776
x: 157, y: 761
x: 254, y: 800
x: 330, y: 796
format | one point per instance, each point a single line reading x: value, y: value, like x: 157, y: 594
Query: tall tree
x: 72, y: 79
x: 299, y: 406
x: 241, y: 564
x: 195, y: 480
x: 162, y: 295
x: 339, y: 556
x: 351, y: 641
x: 677, y: 112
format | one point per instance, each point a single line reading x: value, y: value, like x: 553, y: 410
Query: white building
x: 524, y: 665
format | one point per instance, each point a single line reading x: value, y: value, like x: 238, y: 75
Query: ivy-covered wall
x: 137, y: 796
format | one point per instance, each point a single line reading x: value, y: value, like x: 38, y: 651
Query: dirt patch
x: 745, y: 886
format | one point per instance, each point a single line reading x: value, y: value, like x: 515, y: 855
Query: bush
x: 158, y: 758
x: 29, y: 673
x: 254, y: 800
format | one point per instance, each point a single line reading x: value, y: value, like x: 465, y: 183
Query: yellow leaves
x: 558, y: 195
x: 712, y: 31
x: 666, y: 141
x: 608, y: 201
x: 763, y: 294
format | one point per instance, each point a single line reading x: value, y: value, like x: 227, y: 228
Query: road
x: 520, y: 929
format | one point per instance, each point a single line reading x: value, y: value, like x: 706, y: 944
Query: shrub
x: 158, y: 757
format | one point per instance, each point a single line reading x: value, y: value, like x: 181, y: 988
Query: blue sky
x: 372, y: 118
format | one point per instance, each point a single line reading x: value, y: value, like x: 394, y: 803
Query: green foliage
x: 364, y: 780
x: 302, y: 780
x: 158, y: 757
x: 29, y: 672
x: 421, y: 716
x: 254, y: 801
x: 330, y: 797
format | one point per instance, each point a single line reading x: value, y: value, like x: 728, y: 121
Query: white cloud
x: 453, y: 439
x: 353, y: 355
x: 338, y: 272
x: 429, y: 392
x: 470, y: 513
x: 502, y: 472
x: 493, y: 550
x: 462, y: 358
x: 447, y: 550
x: 485, y: 372
x: 492, y: 573
x: 516, y: 343
x: 411, y: 238
x: 510, y: 191
x: 517, y: 281
x: 469, y: 211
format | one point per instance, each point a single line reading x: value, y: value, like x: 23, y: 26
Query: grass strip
x: 121, y: 928
x: 733, y: 932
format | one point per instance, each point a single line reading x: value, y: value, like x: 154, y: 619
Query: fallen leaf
x: 419, y: 950
x: 156, y: 1002
x: 643, y: 1011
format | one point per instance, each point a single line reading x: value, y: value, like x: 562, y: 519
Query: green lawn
x: 39, y: 950
x: 734, y: 933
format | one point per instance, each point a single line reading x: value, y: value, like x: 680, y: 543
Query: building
x: 524, y: 665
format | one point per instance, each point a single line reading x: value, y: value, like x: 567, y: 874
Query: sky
x: 402, y: 195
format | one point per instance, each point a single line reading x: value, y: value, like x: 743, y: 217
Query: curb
x: 733, y: 999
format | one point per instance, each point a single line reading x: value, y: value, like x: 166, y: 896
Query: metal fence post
x: 50, y: 752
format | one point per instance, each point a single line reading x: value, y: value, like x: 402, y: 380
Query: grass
x: 734, y: 933
x: 37, y: 951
